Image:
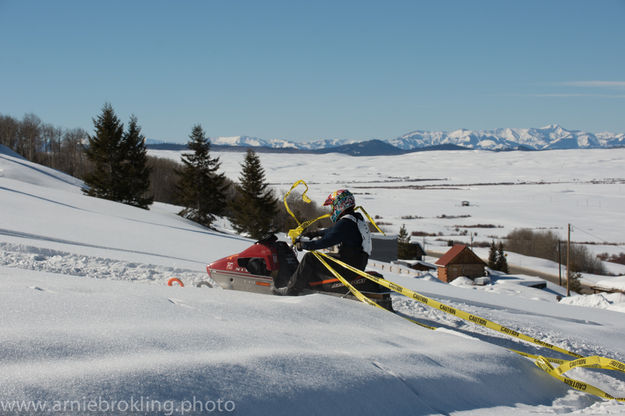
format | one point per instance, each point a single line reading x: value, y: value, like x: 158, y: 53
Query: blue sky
x: 304, y: 70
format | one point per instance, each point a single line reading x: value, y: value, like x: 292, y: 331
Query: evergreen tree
x: 404, y: 249
x: 575, y: 283
x: 104, y: 152
x: 135, y: 170
x: 254, y: 208
x: 501, y: 263
x: 492, y: 256
x: 201, y: 190
x: 403, y: 234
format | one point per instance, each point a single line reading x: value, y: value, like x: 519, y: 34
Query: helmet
x: 341, y: 201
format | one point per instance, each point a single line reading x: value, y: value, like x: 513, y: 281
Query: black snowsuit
x: 346, y: 234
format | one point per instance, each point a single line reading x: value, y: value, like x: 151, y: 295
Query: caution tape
x: 453, y: 311
x: 301, y: 226
x: 369, y: 218
x: 296, y: 232
x: 542, y: 362
x: 351, y: 288
x: 592, y: 362
x: 355, y: 291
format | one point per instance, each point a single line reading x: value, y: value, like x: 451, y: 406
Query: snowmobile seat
x: 254, y: 265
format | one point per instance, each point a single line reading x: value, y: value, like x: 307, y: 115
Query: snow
x: 615, y: 282
x: 13, y: 166
x: 6, y: 151
x: 88, y: 318
x: 611, y: 301
x: 543, y: 191
x: 267, y: 355
x: 462, y: 281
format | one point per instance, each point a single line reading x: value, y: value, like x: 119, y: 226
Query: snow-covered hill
x: 89, y: 325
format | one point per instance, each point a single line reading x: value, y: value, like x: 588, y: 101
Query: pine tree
x: 254, y: 207
x: 403, y: 246
x: 492, y: 256
x: 501, y: 263
x: 135, y: 170
x: 403, y: 234
x: 575, y: 283
x: 201, y: 190
x: 104, y: 152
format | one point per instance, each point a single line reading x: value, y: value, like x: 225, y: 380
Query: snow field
x: 87, y: 315
x: 540, y: 190
x: 506, y: 190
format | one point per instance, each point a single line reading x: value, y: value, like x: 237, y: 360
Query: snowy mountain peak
x: 552, y: 127
x: 239, y: 141
x: 552, y: 136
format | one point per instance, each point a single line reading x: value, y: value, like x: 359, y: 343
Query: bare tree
x: 30, y: 136
x: 73, y: 160
x: 46, y: 144
x: 50, y: 151
x: 9, y: 132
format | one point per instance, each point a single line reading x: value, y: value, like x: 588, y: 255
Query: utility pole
x: 568, y: 263
x: 560, y: 261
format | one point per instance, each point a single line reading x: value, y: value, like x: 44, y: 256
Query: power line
x: 603, y: 240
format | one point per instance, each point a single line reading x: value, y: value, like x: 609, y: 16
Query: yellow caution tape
x: 351, y: 288
x: 304, y: 198
x: 453, y: 311
x: 593, y: 362
x: 296, y: 232
x: 542, y: 362
x: 535, y: 357
x: 370, y: 219
x: 301, y: 226
x: 355, y: 291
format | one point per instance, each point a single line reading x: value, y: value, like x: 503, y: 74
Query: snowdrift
x: 75, y: 338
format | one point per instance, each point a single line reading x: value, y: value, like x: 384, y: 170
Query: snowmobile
x: 270, y: 261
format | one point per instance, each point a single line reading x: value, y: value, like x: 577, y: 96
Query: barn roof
x: 455, y: 252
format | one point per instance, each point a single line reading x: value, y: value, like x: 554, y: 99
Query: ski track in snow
x: 55, y: 261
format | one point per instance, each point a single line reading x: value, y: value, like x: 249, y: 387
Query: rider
x: 350, y: 232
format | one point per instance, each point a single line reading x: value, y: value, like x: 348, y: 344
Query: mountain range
x: 550, y: 137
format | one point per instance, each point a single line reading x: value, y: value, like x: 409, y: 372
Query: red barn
x: 460, y: 260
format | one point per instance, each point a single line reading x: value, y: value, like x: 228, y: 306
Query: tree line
x: 46, y: 144
x: 114, y: 165
x: 547, y: 245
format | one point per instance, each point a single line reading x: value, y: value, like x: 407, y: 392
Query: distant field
x: 506, y: 190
